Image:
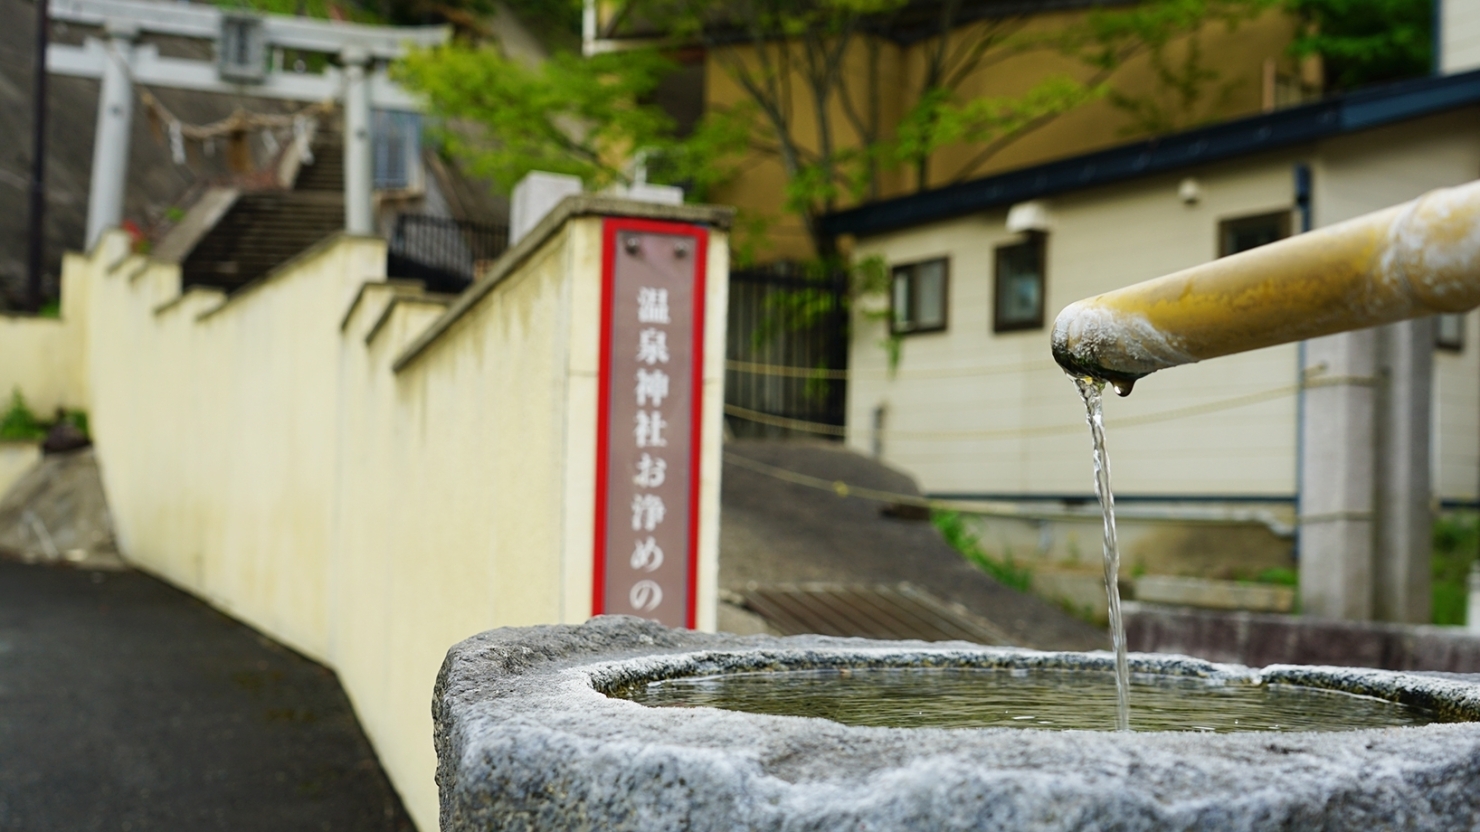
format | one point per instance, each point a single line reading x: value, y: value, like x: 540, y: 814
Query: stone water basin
x: 528, y: 737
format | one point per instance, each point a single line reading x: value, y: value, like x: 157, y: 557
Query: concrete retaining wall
x: 42, y: 358
x: 365, y: 472
x: 1257, y: 639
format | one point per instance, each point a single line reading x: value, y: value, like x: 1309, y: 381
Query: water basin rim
x: 1449, y: 698
x: 521, y: 732
x: 611, y: 675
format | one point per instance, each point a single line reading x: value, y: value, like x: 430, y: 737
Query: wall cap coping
x: 396, y: 285
x: 323, y: 246
x: 398, y: 299
x: 205, y: 292
x: 572, y: 207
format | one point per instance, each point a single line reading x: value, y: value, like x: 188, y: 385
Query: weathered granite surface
x: 526, y: 741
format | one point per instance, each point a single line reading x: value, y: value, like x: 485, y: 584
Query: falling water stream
x: 1091, y: 390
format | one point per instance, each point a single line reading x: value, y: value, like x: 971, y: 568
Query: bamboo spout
x: 1415, y: 259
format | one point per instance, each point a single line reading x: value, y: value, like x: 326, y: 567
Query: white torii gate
x: 243, y: 44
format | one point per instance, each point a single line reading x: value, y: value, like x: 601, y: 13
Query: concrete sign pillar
x: 650, y: 411
x: 359, y: 213
x: 110, y: 144
x: 1336, y: 522
x: 1366, y: 521
x: 1402, y: 572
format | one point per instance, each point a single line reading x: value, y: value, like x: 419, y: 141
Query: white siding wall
x: 1460, y: 38
x: 1456, y: 458
x: 972, y: 412
x: 1016, y: 426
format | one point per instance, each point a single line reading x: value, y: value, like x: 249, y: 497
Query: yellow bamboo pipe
x: 1415, y: 259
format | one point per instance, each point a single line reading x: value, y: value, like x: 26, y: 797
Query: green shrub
x: 1279, y: 576
x: 78, y: 419
x: 1455, y: 538
x: 955, y: 532
x: 18, y: 423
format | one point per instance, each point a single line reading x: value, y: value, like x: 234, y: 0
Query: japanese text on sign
x: 651, y: 353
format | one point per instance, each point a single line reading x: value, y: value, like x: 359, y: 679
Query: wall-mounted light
x: 1029, y: 216
x: 1189, y: 191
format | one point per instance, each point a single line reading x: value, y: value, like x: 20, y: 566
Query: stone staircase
x: 265, y: 229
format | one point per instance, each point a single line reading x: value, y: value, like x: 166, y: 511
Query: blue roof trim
x: 1297, y: 125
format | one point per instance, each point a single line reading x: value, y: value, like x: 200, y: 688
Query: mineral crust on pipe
x: 1415, y: 259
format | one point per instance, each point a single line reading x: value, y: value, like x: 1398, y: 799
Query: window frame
x: 1039, y: 241
x: 1281, y: 216
x: 945, y: 295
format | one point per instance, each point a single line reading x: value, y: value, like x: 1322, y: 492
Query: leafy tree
x: 813, y: 79
x: 582, y: 116
x: 1367, y: 41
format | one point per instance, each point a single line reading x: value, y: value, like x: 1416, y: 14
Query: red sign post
x: 650, y: 409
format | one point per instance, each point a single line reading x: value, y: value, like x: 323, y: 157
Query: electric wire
x: 1021, y: 433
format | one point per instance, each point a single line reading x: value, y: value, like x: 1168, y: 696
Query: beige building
x: 978, y: 411
x: 1245, y: 69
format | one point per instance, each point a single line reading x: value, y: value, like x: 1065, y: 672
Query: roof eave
x: 1281, y: 129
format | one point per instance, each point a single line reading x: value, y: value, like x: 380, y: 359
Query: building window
x: 918, y: 297
x: 1244, y: 233
x: 1018, y: 293
x: 1449, y: 332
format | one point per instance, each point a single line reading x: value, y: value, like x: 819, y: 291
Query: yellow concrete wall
x: 1237, y: 57
x: 42, y: 358
x: 278, y: 454
x: 969, y: 411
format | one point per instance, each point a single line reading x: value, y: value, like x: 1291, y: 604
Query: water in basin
x: 1046, y: 699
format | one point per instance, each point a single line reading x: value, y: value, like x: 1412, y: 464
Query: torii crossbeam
x: 243, y: 44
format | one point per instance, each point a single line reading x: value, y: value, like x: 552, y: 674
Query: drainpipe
x: 1304, y: 223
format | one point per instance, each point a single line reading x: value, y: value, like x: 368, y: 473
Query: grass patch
x: 1279, y: 576
x: 18, y: 423
x: 961, y: 538
x: 1455, y: 538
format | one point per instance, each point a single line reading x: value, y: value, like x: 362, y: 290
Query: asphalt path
x: 126, y: 704
x: 774, y: 531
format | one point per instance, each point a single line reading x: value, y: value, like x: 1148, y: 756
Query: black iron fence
x: 787, y: 354
x: 446, y: 254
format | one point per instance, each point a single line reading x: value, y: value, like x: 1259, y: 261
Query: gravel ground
x: 128, y: 705
x: 773, y: 531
